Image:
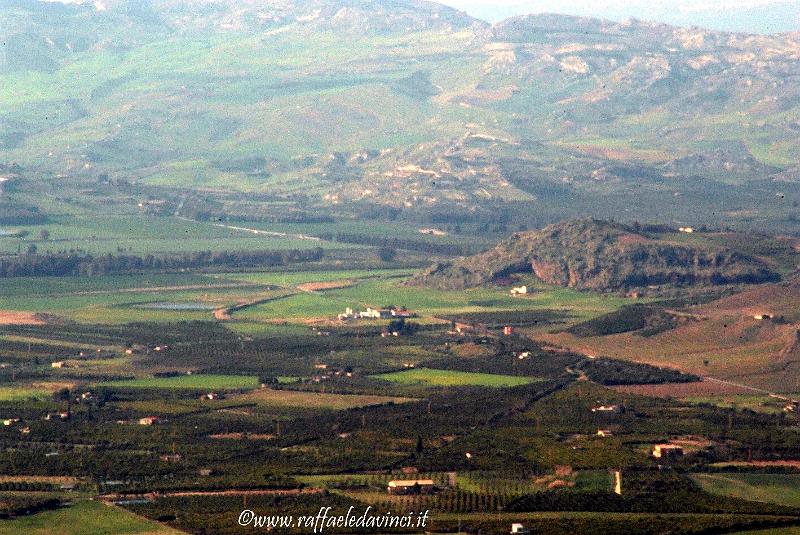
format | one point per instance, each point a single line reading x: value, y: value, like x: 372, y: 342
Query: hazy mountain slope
x: 666, y: 86
x: 598, y: 255
x: 212, y: 89
x: 764, y: 17
x: 449, y: 111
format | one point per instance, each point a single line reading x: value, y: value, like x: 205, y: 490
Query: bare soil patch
x: 325, y: 285
x: 8, y: 317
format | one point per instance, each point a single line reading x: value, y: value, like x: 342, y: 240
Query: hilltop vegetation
x: 599, y: 255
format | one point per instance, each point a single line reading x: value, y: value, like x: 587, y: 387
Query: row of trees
x: 15, y: 214
x: 389, y: 243
x: 74, y: 264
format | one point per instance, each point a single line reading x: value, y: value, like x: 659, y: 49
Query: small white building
x: 401, y: 312
x: 661, y: 451
x: 519, y: 529
x: 612, y: 409
x: 149, y: 420
x: 347, y: 315
x: 411, y: 486
x: 520, y: 290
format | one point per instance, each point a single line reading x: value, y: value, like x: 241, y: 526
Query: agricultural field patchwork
x: 138, y: 234
x: 316, y: 400
x: 194, y: 382
x: 22, y: 393
x: 452, y: 378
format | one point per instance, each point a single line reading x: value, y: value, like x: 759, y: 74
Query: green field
x: 121, y: 298
x: 84, y: 518
x: 783, y: 489
x: 141, y: 235
x: 126, y: 298
x: 21, y: 287
x: 316, y: 400
x: 432, y: 377
x: 293, y: 278
x: 388, y: 289
x: 13, y: 393
x: 209, y: 382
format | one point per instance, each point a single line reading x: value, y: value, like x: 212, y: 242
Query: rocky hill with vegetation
x: 599, y: 255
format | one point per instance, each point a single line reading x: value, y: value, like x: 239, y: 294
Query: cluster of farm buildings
x: 376, y: 314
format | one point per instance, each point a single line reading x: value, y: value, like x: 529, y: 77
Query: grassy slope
x: 21, y: 393
x: 783, y: 489
x: 723, y: 340
x: 330, y: 107
x: 85, y: 518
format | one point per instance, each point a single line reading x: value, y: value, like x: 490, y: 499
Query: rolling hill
x: 748, y: 338
x: 599, y: 255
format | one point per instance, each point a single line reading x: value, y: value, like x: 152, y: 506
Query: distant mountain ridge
x: 598, y: 255
x: 406, y: 105
x: 775, y: 16
x: 239, y: 15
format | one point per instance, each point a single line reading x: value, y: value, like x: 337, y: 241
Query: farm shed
x: 411, y: 486
x: 149, y: 420
x: 665, y: 451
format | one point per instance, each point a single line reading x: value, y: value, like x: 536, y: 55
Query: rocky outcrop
x: 599, y: 255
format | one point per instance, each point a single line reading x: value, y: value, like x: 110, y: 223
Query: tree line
x: 387, y: 242
x: 87, y: 265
